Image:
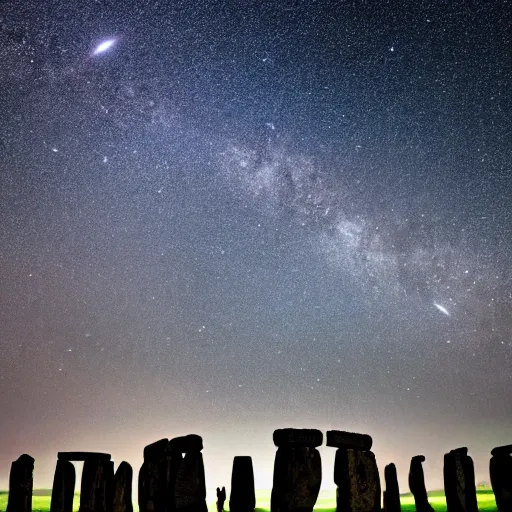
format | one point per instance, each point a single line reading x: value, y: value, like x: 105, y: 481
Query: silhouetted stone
x: 341, y: 439
x: 298, y: 437
x: 63, y: 487
x: 20, y: 485
x: 157, y: 477
x: 392, y: 493
x: 187, y: 444
x: 96, y: 492
x: 221, y: 499
x: 242, y: 497
x: 190, y: 489
x: 142, y: 497
x: 417, y: 485
x: 156, y: 450
x: 297, y: 470
x: 358, y: 481
x: 123, y: 488
x: 502, y: 450
x: 459, y: 481
x: 500, y: 468
x: 83, y: 456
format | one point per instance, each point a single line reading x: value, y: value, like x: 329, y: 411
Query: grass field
x: 325, y: 503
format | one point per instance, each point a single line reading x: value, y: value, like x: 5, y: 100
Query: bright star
x: 103, y: 47
x: 442, y: 309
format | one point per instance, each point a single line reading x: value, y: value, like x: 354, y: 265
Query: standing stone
x: 355, y: 472
x: 142, y: 497
x: 297, y: 470
x: 392, y: 492
x: 190, y: 489
x: 154, y: 478
x: 500, y: 468
x: 63, y: 487
x: 97, y: 480
x: 417, y: 485
x: 20, y: 485
x: 96, y: 491
x: 242, y: 497
x: 459, y: 481
x: 123, y: 488
x: 357, y: 477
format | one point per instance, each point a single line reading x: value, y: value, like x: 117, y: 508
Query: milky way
x: 394, y: 254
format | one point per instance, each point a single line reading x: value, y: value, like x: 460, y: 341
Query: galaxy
x: 104, y: 46
x: 226, y: 218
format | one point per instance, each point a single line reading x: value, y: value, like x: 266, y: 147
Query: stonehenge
x: 63, y: 487
x: 190, y: 488
x: 242, y: 497
x: 391, y: 495
x: 355, y: 472
x: 172, y: 479
x: 297, y: 470
x: 172, y: 476
x: 417, y: 484
x: 123, y: 488
x: 459, y: 481
x: 500, y: 469
x: 154, y: 478
x: 20, y: 485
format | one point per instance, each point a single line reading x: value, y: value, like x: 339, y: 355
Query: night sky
x: 229, y: 217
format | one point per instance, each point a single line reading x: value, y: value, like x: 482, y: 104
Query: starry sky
x: 229, y: 217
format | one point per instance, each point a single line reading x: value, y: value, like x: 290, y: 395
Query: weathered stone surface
x: 502, y: 450
x: 221, y: 499
x: 157, y: 477
x: 123, y: 488
x: 417, y: 485
x: 357, y: 477
x: 155, y: 481
x: 63, y: 487
x: 459, y: 481
x: 392, y: 492
x: 297, y: 478
x: 96, y: 492
x: 20, y: 485
x: 341, y: 439
x: 242, y: 497
x: 298, y: 437
x: 83, y: 456
x: 186, y: 444
x: 190, y: 489
x: 500, y: 468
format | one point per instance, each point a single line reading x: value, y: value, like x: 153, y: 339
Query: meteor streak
x: 442, y: 309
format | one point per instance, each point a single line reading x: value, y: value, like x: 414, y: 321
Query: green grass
x: 40, y: 501
x: 485, y: 498
x: 326, y: 501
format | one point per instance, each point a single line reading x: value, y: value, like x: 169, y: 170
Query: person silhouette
x: 221, y: 498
